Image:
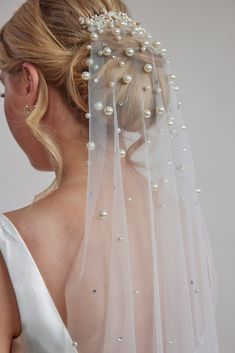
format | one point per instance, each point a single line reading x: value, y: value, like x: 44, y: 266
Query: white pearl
x: 121, y: 63
x: 133, y: 33
x: 170, y: 341
x: 118, y: 38
x: 148, y: 68
x: 163, y: 51
x: 129, y: 52
x: 96, y: 67
x: 127, y: 79
x: 155, y: 187
x: 184, y: 149
x: 119, y: 339
x: 170, y: 123
x: 75, y: 344
x: 176, y: 88
x: 121, y: 238
x: 89, y: 62
x: 114, y: 57
x: 90, y: 146
x: 198, y: 191
x: 111, y: 84
x: 137, y: 292
x: 96, y: 80
x: 160, y: 110
x: 197, y: 290
x: 159, y: 90
x: 88, y: 115
x: 108, y: 110
x: 179, y: 104
x: 94, y: 36
x: 143, y: 49
x: 86, y: 75
x: 107, y: 51
x: 98, y: 106
x: 147, y: 113
x: 130, y: 199
x: 100, y: 31
x: 103, y: 214
x: 157, y: 44
x: 122, y: 153
x: 183, y: 127
x: 119, y: 130
x: 100, y: 52
x: 165, y: 180
x: 116, y: 31
x: 88, y: 47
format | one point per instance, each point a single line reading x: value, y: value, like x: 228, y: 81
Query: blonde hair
x: 47, y: 33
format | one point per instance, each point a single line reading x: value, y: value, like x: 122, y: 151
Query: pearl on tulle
x: 147, y: 113
x: 111, y: 84
x: 137, y: 292
x: 148, y: 140
x: 107, y: 51
x: 118, y: 38
x: 98, y: 106
x: 120, y: 103
x: 108, y: 110
x: 171, y: 77
x: 127, y: 79
x: 96, y: 80
x: 156, y: 44
x: 183, y: 127
x: 159, y: 90
x: 94, y: 36
x: 90, y: 146
x: 197, y: 290
x: 129, y: 51
x: 121, y: 238
x: 142, y: 49
x: 120, y: 339
x: 116, y: 31
x: 170, y: 123
x: 114, y: 57
x: 121, y: 63
x: 184, y: 149
x: 130, y: 199
x: 176, y: 88
x: 103, y: 214
x: 96, y: 67
x: 160, y: 110
x: 100, y: 52
x: 88, y: 115
x: 146, y: 88
x: 75, y: 344
x: 88, y: 47
x: 89, y: 61
x: 86, y: 75
x: 170, y: 341
x: 155, y: 187
x: 119, y: 130
x: 198, y: 191
x: 179, y: 104
x: 170, y: 162
x: 148, y: 68
x: 122, y: 153
x: 163, y: 51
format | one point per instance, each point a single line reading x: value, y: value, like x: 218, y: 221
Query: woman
x: 114, y: 256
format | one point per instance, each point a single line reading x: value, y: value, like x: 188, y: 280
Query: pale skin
x: 49, y: 213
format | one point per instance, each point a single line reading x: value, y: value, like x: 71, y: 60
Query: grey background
x: 199, y: 39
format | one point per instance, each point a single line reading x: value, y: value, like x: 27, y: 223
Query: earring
x: 28, y: 111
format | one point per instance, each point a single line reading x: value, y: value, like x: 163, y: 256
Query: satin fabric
x: 43, y: 330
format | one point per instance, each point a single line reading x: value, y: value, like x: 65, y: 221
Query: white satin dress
x: 43, y: 330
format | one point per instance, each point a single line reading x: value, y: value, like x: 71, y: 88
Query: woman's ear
x: 32, y: 82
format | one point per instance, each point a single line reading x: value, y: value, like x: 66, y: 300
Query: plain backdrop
x: 199, y: 39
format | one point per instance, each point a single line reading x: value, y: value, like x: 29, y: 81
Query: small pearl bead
x: 148, y: 68
x: 157, y: 44
x: 75, y: 344
x: 86, y: 75
x: 163, y: 51
x: 88, y: 115
x: 170, y: 341
x: 88, y: 47
x: 119, y: 130
x: 121, y: 63
x: 89, y: 62
x: 100, y: 52
x: 96, y: 80
x: 98, y: 106
x: 155, y: 187
x: 118, y: 38
x: 197, y: 290
x: 183, y: 127
x: 129, y: 52
x: 96, y: 67
x: 107, y: 51
x: 130, y: 199
x: 108, y: 110
x: 103, y: 214
x: 116, y: 31
x: 160, y: 110
x: 94, y: 36
x: 90, y: 146
x: 121, y: 238
x: 111, y: 84
x: 143, y: 49
x: 147, y: 113
x: 176, y: 88
x: 198, y: 191
x: 137, y: 292
x: 122, y: 153
x: 120, y: 339
x: 127, y: 79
